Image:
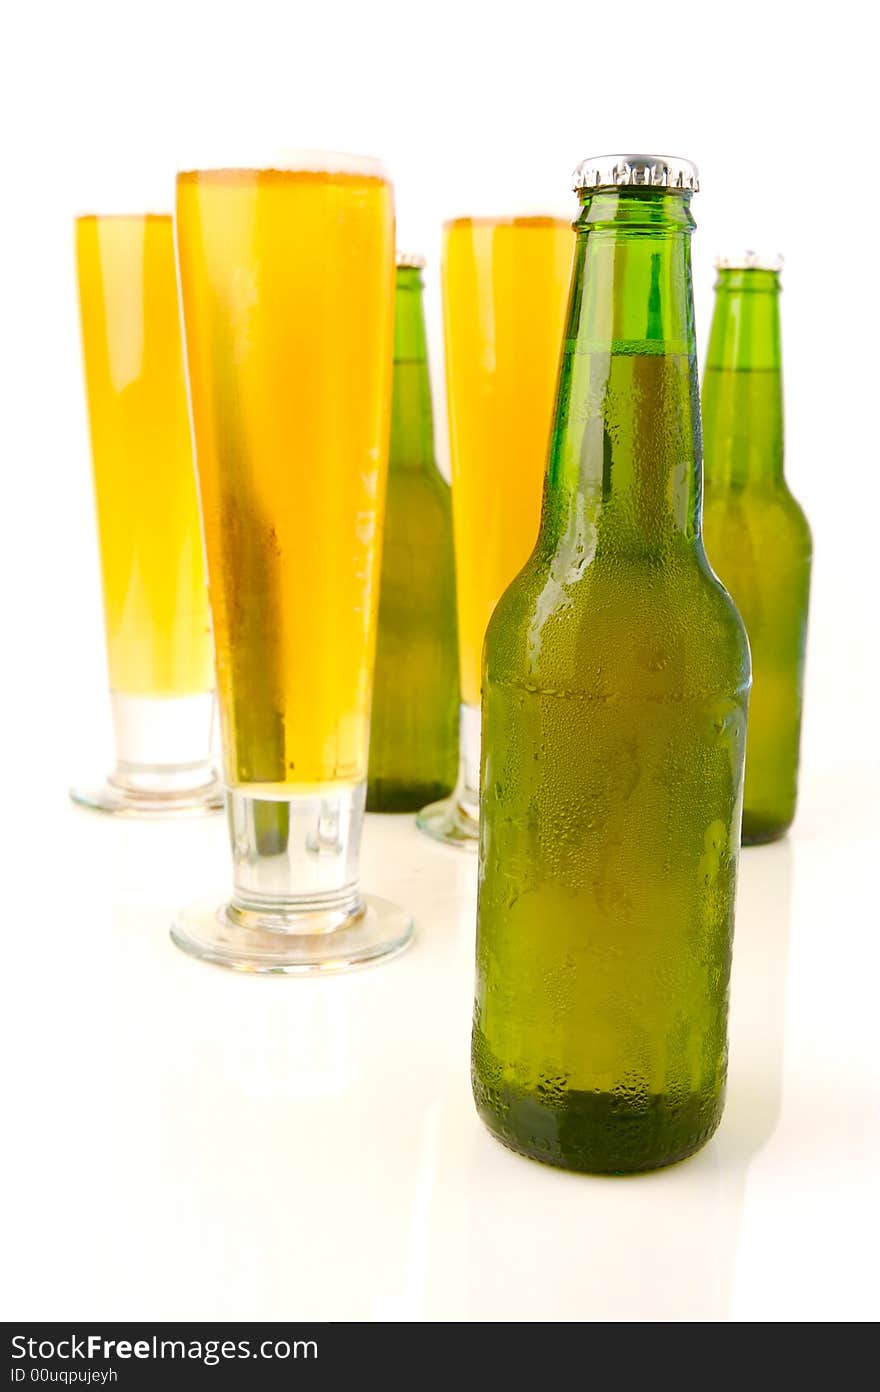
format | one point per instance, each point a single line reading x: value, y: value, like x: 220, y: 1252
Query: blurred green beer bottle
x: 414, y: 723
x: 615, y: 689
x: 757, y: 538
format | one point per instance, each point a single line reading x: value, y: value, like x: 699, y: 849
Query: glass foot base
x: 450, y: 822
x: 210, y: 932
x: 116, y: 801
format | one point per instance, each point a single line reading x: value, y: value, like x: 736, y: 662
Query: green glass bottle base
x: 760, y: 831
x: 386, y: 795
x: 598, y: 1133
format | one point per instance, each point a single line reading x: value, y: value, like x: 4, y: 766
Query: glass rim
x: 512, y: 217
x: 304, y: 161
x: 123, y: 215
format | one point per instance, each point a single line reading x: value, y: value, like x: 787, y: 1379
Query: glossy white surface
x: 190, y: 1143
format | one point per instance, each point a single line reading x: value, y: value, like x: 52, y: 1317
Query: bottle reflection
x: 525, y: 1241
x: 757, y: 1023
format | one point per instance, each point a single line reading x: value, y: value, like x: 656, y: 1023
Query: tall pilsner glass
x: 287, y: 285
x: 505, y: 287
x: 153, y: 574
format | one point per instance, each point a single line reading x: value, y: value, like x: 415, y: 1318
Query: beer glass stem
x: 295, y: 860
x: 455, y: 820
x: 469, y: 777
x: 296, y: 905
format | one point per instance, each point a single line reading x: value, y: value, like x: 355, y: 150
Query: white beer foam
x: 122, y: 214
x: 495, y: 212
x: 302, y: 162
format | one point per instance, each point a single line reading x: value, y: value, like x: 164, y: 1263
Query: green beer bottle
x: 615, y: 689
x: 414, y: 723
x: 757, y: 537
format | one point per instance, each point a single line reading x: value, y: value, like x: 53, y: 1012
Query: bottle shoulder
x: 798, y: 518
x: 756, y: 522
x: 421, y: 486
x: 643, y: 626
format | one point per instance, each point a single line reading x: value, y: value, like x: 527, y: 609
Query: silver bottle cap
x: 410, y: 258
x: 647, y: 171
x: 750, y: 261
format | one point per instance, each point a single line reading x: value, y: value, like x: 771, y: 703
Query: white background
x: 474, y: 106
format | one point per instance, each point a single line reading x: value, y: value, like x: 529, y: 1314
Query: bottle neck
x: 624, y: 468
x: 742, y: 383
x: 412, y: 422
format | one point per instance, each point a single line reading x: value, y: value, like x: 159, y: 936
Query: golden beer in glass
x: 505, y: 288
x: 157, y: 623
x: 287, y: 282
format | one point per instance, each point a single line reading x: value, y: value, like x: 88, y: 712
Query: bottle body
x: 414, y: 723
x: 756, y: 535
x: 615, y: 696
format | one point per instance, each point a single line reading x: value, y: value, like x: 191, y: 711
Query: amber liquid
x: 288, y: 281
x: 505, y: 288
x: 155, y: 599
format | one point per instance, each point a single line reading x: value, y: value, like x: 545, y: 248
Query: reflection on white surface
x: 196, y: 1144
x: 657, y: 1247
x: 527, y: 1241
x: 757, y: 1025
